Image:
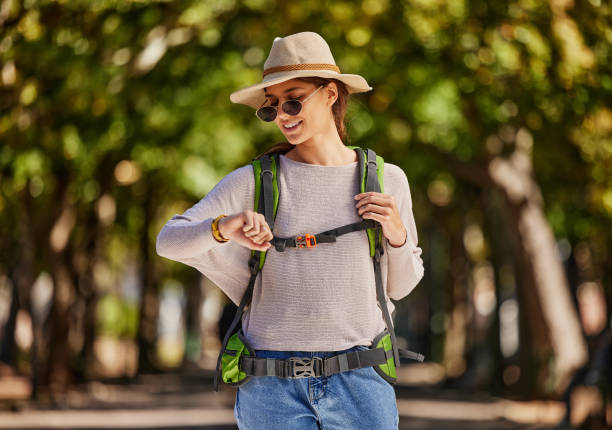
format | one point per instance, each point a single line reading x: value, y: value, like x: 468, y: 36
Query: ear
x: 332, y: 93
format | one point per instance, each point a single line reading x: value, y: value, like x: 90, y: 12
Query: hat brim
x: 254, y: 95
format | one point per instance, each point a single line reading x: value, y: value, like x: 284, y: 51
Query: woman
x: 307, y: 302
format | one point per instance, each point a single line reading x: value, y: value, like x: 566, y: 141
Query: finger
x: 263, y: 247
x: 375, y: 216
x: 260, y: 246
x: 383, y: 210
x: 373, y: 198
x: 269, y: 235
x: 256, y: 227
x: 368, y: 194
x: 266, y: 232
x: 264, y: 235
x: 260, y: 223
x: 363, y: 195
x: 249, y: 221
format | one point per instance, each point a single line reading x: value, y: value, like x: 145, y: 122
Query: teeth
x: 292, y: 125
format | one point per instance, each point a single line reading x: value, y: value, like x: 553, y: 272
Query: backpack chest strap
x: 329, y: 236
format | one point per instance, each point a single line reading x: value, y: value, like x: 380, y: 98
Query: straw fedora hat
x: 294, y: 56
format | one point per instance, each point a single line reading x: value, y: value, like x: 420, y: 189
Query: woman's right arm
x: 190, y: 235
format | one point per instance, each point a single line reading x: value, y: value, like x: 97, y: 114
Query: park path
x: 187, y: 401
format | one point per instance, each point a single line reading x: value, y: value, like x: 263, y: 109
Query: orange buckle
x: 306, y: 241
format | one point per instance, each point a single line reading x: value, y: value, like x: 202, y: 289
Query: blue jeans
x: 356, y: 399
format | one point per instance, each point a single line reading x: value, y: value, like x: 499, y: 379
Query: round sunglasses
x: 290, y: 107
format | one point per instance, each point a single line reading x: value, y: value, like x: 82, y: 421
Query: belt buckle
x: 300, y: 367
x: 306, y: 241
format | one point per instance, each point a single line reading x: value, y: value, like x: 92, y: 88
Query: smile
x: 291, y: 125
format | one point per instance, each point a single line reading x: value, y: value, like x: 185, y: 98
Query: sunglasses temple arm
x: 312, y: 94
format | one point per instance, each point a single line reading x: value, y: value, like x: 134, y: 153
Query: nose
x: 281, y: 114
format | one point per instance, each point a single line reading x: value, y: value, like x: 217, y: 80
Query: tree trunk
x: 88, y: 296
x: 149, y: 304
x: 543, y: 287
x: 457, y: 337
x: 535, y: 347
x: 58, y: 373
x: 541, y: 266
x: 24, y: 276
x: 7, y: 342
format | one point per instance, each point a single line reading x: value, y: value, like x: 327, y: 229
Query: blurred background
x: 115, y: 115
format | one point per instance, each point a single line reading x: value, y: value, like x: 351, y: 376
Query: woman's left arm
x: 394, y: 213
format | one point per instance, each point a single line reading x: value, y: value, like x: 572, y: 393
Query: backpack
x: 237, y: 361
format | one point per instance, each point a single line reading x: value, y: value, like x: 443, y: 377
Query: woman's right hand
x: 247, y: 228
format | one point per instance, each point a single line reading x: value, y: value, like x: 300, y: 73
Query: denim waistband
x: 322, y: 354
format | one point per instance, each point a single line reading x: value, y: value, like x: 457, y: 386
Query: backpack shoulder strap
x: 267, y: 194
x: 372, y: 171
x: 371, y: 167
x: 371, y: 179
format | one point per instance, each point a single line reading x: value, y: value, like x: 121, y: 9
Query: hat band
x: 301, y: 67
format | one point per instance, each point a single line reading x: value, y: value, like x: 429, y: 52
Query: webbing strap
x: 354, y: 360
x: 380, y: 295
x: 372, y: 178
x: 361, y: 156
x: 328, y: 236
x: 267, y: 176
x: 372, y: 184
x: 254, y: 366
x: 360, y: 225
x: 246, y: 299
x: 411, y: 354
x: 262, y: 366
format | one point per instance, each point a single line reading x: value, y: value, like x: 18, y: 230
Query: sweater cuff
x: 400, y: 248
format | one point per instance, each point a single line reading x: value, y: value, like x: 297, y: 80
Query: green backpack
x: 237, y: 361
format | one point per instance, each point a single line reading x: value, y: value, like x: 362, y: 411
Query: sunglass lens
x: 292, y: 107
x: 267, y: 113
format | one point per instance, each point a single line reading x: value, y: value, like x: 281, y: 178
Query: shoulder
x: 240, y: 173
x: 240, y: 176
x: 235, y: 186
x: 395, y: 176
x: 396, y: 184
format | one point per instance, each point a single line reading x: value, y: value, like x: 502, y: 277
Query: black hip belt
x: 240, y: 361
x: 305, y: 367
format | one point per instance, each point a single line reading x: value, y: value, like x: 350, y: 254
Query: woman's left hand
x: 382, y: 208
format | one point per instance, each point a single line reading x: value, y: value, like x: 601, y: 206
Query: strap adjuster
x: 279, y: 244
x: 306, y: 241
x: 300, y: 367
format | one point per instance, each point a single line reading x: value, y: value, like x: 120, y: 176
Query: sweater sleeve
x: 405, y: 265
x: 189, y: 235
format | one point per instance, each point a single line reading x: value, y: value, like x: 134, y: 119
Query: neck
x: 325, y: 149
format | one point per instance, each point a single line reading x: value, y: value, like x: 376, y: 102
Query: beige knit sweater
x: 319, y: 299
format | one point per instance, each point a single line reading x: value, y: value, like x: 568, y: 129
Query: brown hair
x: 339, y: 107
x: 338, y: 111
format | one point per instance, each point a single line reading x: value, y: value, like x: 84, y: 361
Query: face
x: 314, y: 117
